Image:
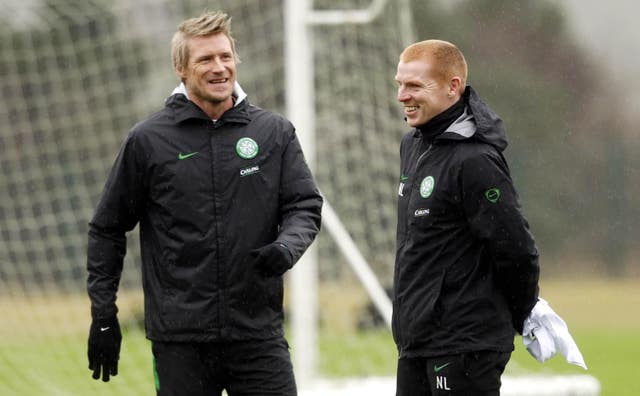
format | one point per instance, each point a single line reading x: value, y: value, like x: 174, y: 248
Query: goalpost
x: 299, y: 21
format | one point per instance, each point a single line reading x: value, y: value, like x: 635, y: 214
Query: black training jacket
x: 466, y: 271
x: 204, y: 194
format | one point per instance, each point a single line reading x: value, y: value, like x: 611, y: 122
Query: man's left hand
x: 273, y: 259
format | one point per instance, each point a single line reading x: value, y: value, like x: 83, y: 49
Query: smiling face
x: 423, y: 93
x: 210, y: 73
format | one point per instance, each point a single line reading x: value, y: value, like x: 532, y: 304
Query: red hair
x: 445, y: 58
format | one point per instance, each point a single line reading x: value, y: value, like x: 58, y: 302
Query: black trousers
x: 467, y: 374
x: 241, y: 368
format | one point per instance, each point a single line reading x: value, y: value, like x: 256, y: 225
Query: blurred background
x: 75, y: 75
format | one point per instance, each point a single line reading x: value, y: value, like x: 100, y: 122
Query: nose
x: 402, y: 95
x: 217, y: 65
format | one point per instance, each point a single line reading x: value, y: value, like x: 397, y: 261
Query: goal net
x: 76, y: 75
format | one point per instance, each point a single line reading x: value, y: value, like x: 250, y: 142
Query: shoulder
x: 476, y: 159
x: 407, y: 140
x: 473, y: 150
x: 151, y: 122
x: 161, y: 122
x: 263, y: 115
x: 270, y: 121
x: 409, y: 135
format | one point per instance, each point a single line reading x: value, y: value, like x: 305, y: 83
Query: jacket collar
x: 477, y: 121
x: 441, y: 122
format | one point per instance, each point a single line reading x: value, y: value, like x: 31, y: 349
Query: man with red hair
x: 466, y: 271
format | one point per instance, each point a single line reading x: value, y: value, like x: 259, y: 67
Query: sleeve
x: 116, y: 213
x: 492, y: 207
x: 300, y: 201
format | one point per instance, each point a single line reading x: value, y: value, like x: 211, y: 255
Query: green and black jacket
x: 204, y: 194
x: 466, y: 271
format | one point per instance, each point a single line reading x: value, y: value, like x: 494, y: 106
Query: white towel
x: 545, y: 334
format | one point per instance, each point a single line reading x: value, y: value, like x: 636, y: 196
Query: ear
x: 179, y: 70
x: 454, y: 86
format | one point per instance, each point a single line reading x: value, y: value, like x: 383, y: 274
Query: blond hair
x: 209, y: 23
x: 448, y: 61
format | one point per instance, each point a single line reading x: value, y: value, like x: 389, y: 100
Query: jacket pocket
x: 187, y: 305
x: 256, y: 300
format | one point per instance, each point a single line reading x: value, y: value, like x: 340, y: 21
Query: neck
x: 441, y: 122
x: 217, y: 109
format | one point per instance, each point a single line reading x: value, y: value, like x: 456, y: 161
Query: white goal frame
x: 299, y: 21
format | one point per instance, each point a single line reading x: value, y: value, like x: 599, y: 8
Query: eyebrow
x: 410, y: 81
x: 203, y: 57
x: 212, y: 55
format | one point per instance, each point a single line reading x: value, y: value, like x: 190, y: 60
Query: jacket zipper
x: 423, y: 155
x: 413, y: 184
x: 219, y: 272
x: 415, y: 173
x: 408, y: 212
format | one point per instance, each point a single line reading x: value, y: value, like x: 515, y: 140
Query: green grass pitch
x: 40, y: 355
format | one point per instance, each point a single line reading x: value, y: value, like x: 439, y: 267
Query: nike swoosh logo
x: 104, y: 328
x: 185, y: 156
x: 404, y: 178
x: 437, y: 368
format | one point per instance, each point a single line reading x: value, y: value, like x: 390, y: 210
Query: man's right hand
x: 104, y: 347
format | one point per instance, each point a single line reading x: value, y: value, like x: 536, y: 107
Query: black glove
x: 104, y: 347
x: 273, y: 259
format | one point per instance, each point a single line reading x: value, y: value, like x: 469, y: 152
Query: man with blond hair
x: 466, y: 271
x: 225, y: 205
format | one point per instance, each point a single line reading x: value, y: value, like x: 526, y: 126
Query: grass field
x: 43, y: 343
